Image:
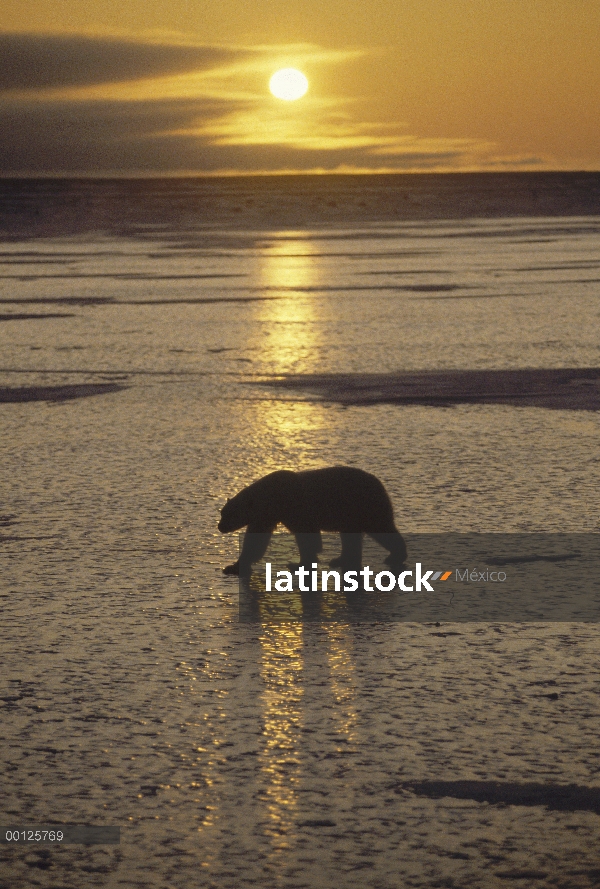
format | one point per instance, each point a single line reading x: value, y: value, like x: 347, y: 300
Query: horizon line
x: 270, y: 174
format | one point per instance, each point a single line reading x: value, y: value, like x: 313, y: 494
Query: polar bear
x: 339, y: 498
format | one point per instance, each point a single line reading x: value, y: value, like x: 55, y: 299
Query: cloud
x: 166, y: 136
x: 130, y: 108
x: 36, y: 62
x: 66, y: 137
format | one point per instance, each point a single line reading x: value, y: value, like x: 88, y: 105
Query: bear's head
x: 236, y: 513
x: 260, y: 503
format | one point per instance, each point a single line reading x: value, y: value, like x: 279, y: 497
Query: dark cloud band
x: 33, y: 62
x: 156, y: 137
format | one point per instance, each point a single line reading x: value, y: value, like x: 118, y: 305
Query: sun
x: 288, y: 84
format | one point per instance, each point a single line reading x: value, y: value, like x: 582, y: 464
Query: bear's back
x: 339, y: 498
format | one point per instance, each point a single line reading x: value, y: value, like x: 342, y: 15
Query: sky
x: 150, y: 87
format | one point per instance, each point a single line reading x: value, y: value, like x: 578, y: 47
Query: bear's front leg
x: 309, y: 545
x: 351, y: 555
x: 256, y: 541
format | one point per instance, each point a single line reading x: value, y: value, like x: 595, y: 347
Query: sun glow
x: 288, y: 84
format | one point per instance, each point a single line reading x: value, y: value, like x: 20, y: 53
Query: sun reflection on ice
x: 288, y: 271
x: 281, y: 670
x: 290, y: 340
x: 343, y: 681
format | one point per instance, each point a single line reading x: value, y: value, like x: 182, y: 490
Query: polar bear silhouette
x: 340, y: 498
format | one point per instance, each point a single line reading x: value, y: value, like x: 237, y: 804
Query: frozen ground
x: 288, y: 755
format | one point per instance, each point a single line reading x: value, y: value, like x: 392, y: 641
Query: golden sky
x: 154, y: 87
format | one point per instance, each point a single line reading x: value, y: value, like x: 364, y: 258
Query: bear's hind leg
x: 351, y: 555
x: 254, y: 547
x: 395, y: 545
